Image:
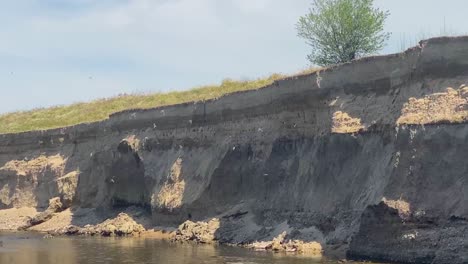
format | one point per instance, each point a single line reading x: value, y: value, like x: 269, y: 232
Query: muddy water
x: 32, y: 248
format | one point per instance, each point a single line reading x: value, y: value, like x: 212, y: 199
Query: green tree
x: 339, y: 31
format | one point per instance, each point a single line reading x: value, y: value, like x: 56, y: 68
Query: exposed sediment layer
x: 368, y: 157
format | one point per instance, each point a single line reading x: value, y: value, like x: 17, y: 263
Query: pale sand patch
x: 12, y: 219
x: 403, y: 207
x: 35, y: 166
x: 343, y: 123
x: 59, y: 220
x: 172, y: 193
x: 450, y: 106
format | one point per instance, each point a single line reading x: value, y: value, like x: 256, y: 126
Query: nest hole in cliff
x: 124, y: 147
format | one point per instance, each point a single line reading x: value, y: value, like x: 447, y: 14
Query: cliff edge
x: 367, y: 158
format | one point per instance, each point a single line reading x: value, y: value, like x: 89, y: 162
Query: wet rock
x: 39, y: 218
x: 262, y: 245
x: 277, y: 242
x: 303, y: 247
x: 122, y: 225
x: 72, y: 230
x: 200, y: 232
x: 281, y: 244
x: 55, y: 206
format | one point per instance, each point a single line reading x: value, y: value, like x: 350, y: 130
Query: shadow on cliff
x: 114, y: 182
x: 295, y: 186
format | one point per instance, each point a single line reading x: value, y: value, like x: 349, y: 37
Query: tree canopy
x: 339, y: 31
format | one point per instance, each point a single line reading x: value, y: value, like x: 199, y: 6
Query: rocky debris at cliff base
x: 282, y: 244
x: 122, y: 225
x: 207, y: 232
x: 200, y: 232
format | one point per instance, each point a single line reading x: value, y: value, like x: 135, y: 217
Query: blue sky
x: 56, y: 52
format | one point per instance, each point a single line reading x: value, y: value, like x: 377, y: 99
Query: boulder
x: 200, y: 232
x: 55, y: 206
x: 281, y: 244
x: 122, y: 225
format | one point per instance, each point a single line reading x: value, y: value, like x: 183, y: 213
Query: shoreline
x: 13, y: 220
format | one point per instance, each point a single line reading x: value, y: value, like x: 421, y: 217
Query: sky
x: 55, y: 52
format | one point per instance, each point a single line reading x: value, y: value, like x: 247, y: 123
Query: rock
x: 55, y: 205
x: 122, y: 225
x: 68, y: 230
x: 108, y: 230
x: 40, y: 218
x: 309, y: 247
x: 277, y: 242
x: 200, y: 232
x: 72, y: 230
x: 464, y: 92
x: 281, y: 244
x: 264, y: 245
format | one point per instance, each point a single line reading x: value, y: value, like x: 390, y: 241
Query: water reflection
x: 30, y: 248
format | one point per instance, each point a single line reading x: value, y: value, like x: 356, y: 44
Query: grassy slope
x: 61, y: 116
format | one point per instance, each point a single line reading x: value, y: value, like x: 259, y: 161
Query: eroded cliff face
x: 368, y: 156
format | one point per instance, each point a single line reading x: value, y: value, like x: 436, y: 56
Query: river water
x: 32, y: 248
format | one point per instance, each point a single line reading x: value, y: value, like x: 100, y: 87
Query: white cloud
x: 249, y: 6
x: 139, y: 45
x: 53, y: 46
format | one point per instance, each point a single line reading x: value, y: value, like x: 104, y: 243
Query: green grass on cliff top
x: 62, y: 116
